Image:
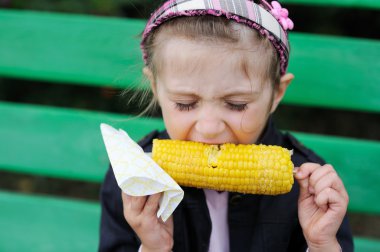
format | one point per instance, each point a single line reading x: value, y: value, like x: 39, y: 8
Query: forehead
x: 205, y: 61
x: 205, y: 68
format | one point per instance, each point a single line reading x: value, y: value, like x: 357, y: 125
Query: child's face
x: 206, y: 95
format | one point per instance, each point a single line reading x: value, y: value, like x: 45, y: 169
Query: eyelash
x: 190, y: 106
x: 185, y: 107
x: 237, y: 107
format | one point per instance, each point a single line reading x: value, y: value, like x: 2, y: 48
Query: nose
x: 210, y: 127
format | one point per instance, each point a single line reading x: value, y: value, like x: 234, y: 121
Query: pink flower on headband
x: 281, y: 14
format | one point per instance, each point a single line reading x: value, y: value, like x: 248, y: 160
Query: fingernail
x: 297, y: 171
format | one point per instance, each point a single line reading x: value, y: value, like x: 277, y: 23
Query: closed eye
x: 237, y: 106
x: 185, y: 106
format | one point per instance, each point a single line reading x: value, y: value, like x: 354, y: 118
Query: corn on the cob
x: 255, y: 169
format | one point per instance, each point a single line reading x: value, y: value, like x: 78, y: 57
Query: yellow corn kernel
x: 254, y: 169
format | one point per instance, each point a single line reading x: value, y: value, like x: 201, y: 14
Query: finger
x: 305, y: 170
x: 126, y: 199
x: 137, y: 204
x: 330, y: 199
x: 168, y: 224
x: 169, y: 221
x: 330, y: 179
x: 319, y: 174
x: 151, y: 205
x: 302, y: 176
x: 132, y: 203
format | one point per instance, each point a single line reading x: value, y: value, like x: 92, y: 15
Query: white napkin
x: 137, y: 174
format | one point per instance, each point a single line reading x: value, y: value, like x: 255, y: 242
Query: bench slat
x: 366, y: 245
x: 72, y: 140
x: 36, y: 223
x: 43, y: 223
x: 332, y: 72
x: 60, y: 142
x: 78, y: 49
x: 69, y: 48
x: 371, y: 4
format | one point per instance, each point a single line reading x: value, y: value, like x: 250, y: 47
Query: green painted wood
x: 371, y: 4
x: 356, y: 162
x: 58, y: 142
x: 70, y: 48
x: 43, y: 223
x: 36, y: 223
x: 334, y: 72
x: 76, y: 49
x: 67, y: 143
x: 362, y: 244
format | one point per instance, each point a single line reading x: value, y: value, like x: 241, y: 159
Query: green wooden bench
x: 65, y: 143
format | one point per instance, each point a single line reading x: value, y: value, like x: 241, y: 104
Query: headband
x: 271, y: 20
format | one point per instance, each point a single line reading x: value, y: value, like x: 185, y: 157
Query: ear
x: 149, y: 75
x: 279, y: 93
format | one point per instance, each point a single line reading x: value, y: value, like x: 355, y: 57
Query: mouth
x: 211, y: 142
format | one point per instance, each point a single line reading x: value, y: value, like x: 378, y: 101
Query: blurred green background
x: 352, y: 22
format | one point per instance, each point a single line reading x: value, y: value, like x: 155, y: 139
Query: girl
x: 218, y: 71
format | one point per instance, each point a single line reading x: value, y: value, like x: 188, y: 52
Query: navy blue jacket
x: 256, y: 222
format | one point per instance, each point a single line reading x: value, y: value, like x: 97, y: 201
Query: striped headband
x: 270, y: 20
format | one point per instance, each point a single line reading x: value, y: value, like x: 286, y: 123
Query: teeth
x: 213, y: 153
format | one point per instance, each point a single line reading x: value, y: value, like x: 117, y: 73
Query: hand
x: 141, y: 214
x: 322, y: 205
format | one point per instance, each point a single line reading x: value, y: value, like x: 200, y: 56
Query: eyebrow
x: 245, y: 93
x: 180, y: 92
x: 242, y: 93
x: 227, y: 95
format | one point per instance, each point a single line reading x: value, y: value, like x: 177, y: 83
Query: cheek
x: 253, y: 122
x: 177, y: 123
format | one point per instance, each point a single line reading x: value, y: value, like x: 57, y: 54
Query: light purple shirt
x: 217, y: 203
